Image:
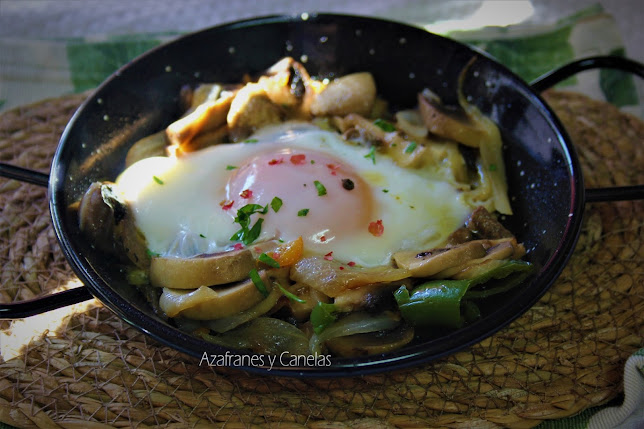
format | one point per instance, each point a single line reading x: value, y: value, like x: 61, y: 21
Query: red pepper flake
x: 226, y: 205
x: 246, y: 193
x: 351, y: 264
x: 275, y: 161
x: 329, y: 256
x: 341, y: 267
x: 333, y: 168
x: 376, y: 228
x: 298, y: 159
x: 238, y: 246
x: 323, y: 239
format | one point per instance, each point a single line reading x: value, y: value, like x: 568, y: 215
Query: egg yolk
x: 323, y: 199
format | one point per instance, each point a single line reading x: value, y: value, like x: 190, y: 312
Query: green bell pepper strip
x: 439, y: 302
x: 499, y: 270
x: 496, y: 287
x: 470, y: 310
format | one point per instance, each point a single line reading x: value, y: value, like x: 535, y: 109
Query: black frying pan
x: 546, y: 184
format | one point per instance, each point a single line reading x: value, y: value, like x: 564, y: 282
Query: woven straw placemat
x: 564, y: 355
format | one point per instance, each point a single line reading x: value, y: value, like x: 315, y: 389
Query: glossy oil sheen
x: 142, y: 97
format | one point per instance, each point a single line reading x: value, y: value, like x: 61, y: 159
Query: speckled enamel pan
x: 546, y: 184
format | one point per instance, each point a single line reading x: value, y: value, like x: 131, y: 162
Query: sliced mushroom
x: 328, y: 278
x: 450, y: 122
x: 152, y: 145
x: 480, y: 225
x: 407, y: 150
x: 207, y: 303
x: 204, y: 140
x: 268, y: 304
x: 205, y: 92
x: 357, y: 127
x: 460, y: 236
x: 366, y: 297
x: 109, y: 223
x: 485, y: 225
x: 302, y: 310
x: 126, y: 233
x: 96, y: 218
x: 285, y: 82
x: 411, y: 123
x: 205, y: 117
x: 430, y: 262
x: 367, y: 130
x: 250, y: 110
x: 202, y: 270
x: 352, y: 93
x: 501, y: 250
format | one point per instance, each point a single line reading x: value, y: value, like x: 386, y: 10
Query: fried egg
x: 347, y: 202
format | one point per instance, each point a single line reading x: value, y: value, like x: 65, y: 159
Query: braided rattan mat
x: 564, y: 355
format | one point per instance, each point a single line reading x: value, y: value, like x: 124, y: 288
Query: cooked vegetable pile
x: 299, y: 215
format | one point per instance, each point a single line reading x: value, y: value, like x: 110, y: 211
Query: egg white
x: 177, y: 201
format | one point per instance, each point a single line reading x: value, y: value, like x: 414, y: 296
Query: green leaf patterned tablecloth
x: 35, y: 69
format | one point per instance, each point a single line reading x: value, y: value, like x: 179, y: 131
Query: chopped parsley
x: 250, y: 141
x: 276, y: 204
x: 253, y: 233
x: 258, y: 282
x: 410, y: 147
x: 158, y: 180
x: 372, y: 154
x: 320, y: 187
x: 303, y: 212
x: 492, y: 167
x: 249, y: 209
x: 231, y: 167
x: 384, y: 125
x: 385, y: 190
x: 152, y: 254
x: 245, y: 234
x: 290, y: 295
x: 202, y: 236
x: 268, y: 260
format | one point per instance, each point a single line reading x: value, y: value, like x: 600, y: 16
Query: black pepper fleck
x: 348, y: 184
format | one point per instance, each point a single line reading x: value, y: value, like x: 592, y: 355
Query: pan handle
x: 550, y: 79
x: 24, y: 174
x: 31, y: 307
x: 17, y: 310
